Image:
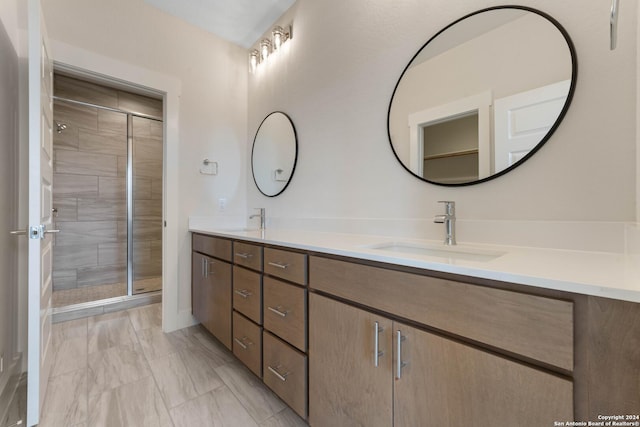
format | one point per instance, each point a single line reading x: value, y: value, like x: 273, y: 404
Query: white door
x: 523, y: 119
x: 40, y: 199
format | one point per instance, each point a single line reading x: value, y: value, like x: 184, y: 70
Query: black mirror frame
x: 295, y: 159
x: 565, y: 108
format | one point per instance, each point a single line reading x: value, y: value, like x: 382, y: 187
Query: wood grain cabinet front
x: 287, y: 265
x: 211, y: 286
x: 247, y: 255
x: 536, y: 327
x: 285, y: 372
x: 212, y: 246
x: 247, y: 293
x: 247, y: 343
x: 369, y: 370
x: 285, y: 311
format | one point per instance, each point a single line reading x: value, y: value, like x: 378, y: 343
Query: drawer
x: 212, y: 246
x: 285, y: 311
x: 247, y: 343
x: 537, y: 327
x: 287, y: 265
x: 285, y: 372
x: 247, y: 255
x: 247, y: 293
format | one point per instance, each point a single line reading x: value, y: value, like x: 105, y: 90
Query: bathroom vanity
x: 355, y: 333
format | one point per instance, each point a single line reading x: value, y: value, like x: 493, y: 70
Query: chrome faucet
x: 449, y: 221
x: 263, y: 217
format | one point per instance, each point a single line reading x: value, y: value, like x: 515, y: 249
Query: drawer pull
x: 244, y: 255
x: 205, y: 267
x: 244, y: 342
x: 376, y: 345
x: 279, y: 265
x: 274, y: 371
x: 243, y: 293
x: 399, y: 362
x: 278, y: 310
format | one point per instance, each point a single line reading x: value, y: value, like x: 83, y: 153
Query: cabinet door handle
x: 613, y: 25
x: 376, y: 344
x: 244, y: 255
x: 241, y: 342
x: 274, y: 371
x: 205, y: 267
x: 399, y: 362
x: 243, y: 293
x: 278, y: 265
x: 278, y: 310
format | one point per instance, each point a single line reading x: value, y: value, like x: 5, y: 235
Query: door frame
x: 98, y: 67
x: 417, y: 121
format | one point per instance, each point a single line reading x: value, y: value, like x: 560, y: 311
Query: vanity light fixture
x: 265, y: 49
x: 268, y: 46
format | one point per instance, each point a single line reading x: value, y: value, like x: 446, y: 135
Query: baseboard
x: 186, y: 319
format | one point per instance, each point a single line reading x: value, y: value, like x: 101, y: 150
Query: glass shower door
x: 145, y: 222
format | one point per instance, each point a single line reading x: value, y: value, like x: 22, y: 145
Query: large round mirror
x: 274, y: 154
x: 482, y: 96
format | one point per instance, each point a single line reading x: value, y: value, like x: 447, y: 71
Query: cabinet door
x: 200, y: 294
x: 446, y: 383
x: 219, y: 280
x: 345, y: 386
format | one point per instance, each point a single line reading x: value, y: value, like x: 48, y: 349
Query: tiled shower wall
x: 89, y: 187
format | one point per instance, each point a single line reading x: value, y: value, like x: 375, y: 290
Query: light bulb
x: 265, y: 49
x: 253, y: 60
x: 278, y: 36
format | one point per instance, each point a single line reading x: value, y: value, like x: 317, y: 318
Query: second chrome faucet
x: 449, y: 221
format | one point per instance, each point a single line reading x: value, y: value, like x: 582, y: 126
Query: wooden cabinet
x: 247, y: 255
x: 420, y: 378
x: 446, y: 383
x: 247, y: 293
x: 285, y: 311
x: 200, y: 290
x: 285, y: 372
x: 346, y: 388
x: 247, y: 343
x: 475, y: 351
x: 211, y: 286
x: 287, y: 265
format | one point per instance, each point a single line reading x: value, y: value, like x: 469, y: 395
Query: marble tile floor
x: 64, y: 297
x: 120, y: 369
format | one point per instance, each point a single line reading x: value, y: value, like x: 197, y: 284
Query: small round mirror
x: 482, y: 96
x: 274, y: 154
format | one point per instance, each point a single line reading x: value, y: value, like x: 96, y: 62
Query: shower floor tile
x: 196, y: 381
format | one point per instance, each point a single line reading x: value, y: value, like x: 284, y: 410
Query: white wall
x: 335, y: 81
x: 211, y: 75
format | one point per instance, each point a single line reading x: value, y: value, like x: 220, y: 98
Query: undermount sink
x: 449, y: 252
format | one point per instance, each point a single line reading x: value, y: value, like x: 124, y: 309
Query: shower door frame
x: 129, y: 186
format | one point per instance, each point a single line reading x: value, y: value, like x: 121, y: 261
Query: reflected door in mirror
x: 453, y: 88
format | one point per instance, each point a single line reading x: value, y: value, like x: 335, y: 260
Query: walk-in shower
x: 107, y: 192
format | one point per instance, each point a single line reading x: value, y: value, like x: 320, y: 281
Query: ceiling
x: 239, y: 21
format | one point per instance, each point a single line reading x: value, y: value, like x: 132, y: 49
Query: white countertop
x: 602, y: 274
